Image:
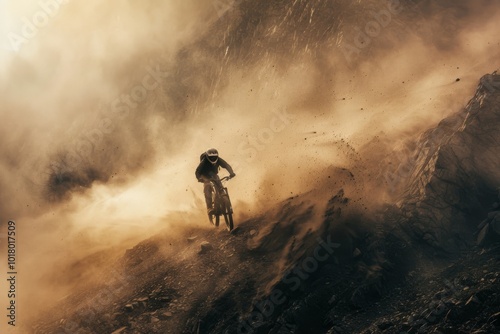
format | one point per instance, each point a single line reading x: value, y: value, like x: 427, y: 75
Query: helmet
x: 212, y: 155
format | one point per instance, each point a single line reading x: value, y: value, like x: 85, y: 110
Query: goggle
x: 213, y: 159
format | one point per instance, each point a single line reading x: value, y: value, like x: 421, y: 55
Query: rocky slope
x: 454, y: 177
x: 321, y: 262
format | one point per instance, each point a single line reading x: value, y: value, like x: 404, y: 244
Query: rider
x: 208, y: 169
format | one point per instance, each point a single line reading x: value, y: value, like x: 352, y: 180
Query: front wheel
x: 214, y: 219
x: 229, y: 221
x: 217, y: 218
x: 216, y: 205
x: 228, y: 213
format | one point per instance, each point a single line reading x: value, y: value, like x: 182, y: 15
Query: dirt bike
x: 221, y: 203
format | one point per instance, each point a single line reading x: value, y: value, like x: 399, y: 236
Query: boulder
x: 453, y: 169
x: 205, y: 246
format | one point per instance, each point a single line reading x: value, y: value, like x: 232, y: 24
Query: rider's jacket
x: 209, y: 170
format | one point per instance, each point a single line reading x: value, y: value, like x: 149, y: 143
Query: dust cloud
x: 106, y: 108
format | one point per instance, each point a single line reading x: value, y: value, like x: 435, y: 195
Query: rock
x: 253, y: 232
x: 205, y: 246
x: 385, y: 324
x: 333, y: 330
x: 484, y: 294
x: 495, y: 226
x: 454, y: 313
x: 120, y: 330
x: 163, y: 299
x: 495, y: 319
x: 129, y: 308
x: 432, y: 319
x: 405, y: 326
x: 471, y: 307
x: 489, y: 229
x: 192, y: 239
x: 447, y: 329
x: 154, y: 320
x: 423, y: 329
x: 356, y: 253
x: 120, y: 317
x: 482, y: 224
x: 482, y: 237
x: 492, y: 215
x: 467, y: 281
x: 165, y: 315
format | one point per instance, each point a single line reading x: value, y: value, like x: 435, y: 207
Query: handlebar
x: 225, y: 178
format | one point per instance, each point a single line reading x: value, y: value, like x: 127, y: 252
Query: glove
x: 232, y: 175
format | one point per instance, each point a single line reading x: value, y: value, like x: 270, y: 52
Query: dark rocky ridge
x: 455, y: 176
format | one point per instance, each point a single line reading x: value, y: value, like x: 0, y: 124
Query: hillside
x: 321, y: 261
